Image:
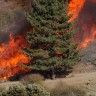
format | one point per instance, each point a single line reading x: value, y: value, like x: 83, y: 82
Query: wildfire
x: 75, y: 7
x: 10, y: 58
x: 10, y: 55
x: 84, y: 10
x: 88, y: 39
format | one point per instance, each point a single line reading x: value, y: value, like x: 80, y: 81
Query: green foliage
x: 37, y: 90
x: 2, y: 88
x: 50, y: 42
x: 15, y: 91
x: 28, y: 90
x: 32, y: 78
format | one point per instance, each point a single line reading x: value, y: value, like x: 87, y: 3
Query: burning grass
x: 10, y: 58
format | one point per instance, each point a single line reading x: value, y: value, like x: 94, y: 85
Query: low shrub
x: 31, y: 78
x: 28, y: 90
x: 2, y: 88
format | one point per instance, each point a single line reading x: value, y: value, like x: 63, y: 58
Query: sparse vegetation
x: 64, y: 90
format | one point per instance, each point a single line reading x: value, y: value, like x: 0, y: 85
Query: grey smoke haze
x: 87, y: 21
x: 12, y: 19
x: 19, y: 25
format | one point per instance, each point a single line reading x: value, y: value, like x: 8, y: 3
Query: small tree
x: 50, y: 43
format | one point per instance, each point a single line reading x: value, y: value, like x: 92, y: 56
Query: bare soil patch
x: 80, y: 79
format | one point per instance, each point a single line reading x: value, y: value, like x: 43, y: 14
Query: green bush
x: 67, y: 91
x: 37, y: 90
x: 31, y: 78
x: 28, y: 90
x: 15, y: 91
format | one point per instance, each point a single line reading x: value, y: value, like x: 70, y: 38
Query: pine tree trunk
x: 65, y: 70
x: 53, y: 74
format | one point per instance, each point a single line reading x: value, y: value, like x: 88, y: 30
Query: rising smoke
x: 87, y: 20
x: 87, y: 31
x: 18, y: 26
x: 12, y: 19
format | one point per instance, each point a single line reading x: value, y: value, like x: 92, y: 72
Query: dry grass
x: 64, y: 90
x: 32, y: 78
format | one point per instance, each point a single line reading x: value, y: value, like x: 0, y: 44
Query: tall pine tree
x: 50, y: 43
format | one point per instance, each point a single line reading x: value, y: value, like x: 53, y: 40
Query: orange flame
x: 10, y: 58
x: 75, y: 7
x: 10, y: 55
x: 88, y: 39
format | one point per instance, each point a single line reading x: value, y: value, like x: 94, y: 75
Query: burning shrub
x: 32, y: 78
x: 28, y: 90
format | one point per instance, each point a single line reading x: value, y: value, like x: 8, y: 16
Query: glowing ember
x: 10, y: 58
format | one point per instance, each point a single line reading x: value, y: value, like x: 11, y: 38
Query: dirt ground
x: 79, y: 79
x: 85, y: 80
x: 82, y: 75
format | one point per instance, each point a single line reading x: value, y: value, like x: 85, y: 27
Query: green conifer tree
x: 50, y: 43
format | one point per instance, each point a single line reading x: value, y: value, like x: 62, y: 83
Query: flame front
x: 85, y: 12
x: 10, y: 58
x: 75, y: 7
